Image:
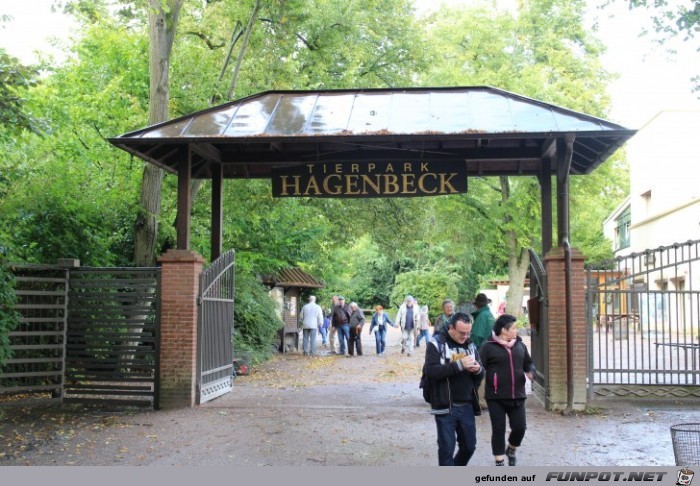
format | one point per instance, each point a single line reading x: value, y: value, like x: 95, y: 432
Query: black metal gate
x: 643, y: 314
x: 88, y: 335
x: 539, y: 331
x: 112, y: 343
x: 215, y: 328
x: 35, y: 370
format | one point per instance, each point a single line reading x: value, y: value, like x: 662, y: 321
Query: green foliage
x: 430, y: 287
x: 71, y: 194
x: 9, y: 318
x: 556, y: 61
x: 672, y: 20
x: 256, y: 322
x: 52, y: 226
x: 15, y: 79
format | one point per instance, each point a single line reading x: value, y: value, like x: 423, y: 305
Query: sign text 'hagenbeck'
x: 370, y: 179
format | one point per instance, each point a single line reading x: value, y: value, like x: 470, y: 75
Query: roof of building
x: 292, y: 277
x: 494, y: 131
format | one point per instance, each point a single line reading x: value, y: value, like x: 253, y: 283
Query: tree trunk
x: 518, y: 261
x: 162, y: 23
x: 517, y: 270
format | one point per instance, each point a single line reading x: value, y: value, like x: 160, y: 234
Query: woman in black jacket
x: 507, y: 361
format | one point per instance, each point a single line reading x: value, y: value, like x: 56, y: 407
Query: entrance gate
x: 643, y: 313
x: 537, y: 314
x: 350, y: 143
x: 87, y: 335
x: 215, y: 329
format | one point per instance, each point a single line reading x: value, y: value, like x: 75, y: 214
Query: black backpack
x: 425, y: 383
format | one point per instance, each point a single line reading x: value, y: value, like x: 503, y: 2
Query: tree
x: 15, y: 79
x: 9, y: 318
x: 556, y: 61
x: 162, y: 24
x: 671, y: 20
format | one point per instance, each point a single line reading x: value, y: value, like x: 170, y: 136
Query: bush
x: 429, y: 287
x: 256, y: 322
x: 9, y: 318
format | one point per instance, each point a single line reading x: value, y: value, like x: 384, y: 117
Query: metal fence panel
x: 35, y: 370
x: 643, y: 334
x: 113, y: 336
x: 215, y: 346
x: 88, y: 335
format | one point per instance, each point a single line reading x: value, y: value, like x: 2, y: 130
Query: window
x: 622, y: 229
x: 646, y: 197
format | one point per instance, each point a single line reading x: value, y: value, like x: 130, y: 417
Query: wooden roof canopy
x: 494, y: 131
x: 491, y: 131
x: 293, y: 277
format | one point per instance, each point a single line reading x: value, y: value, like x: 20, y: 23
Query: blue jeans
x: 343, y: 336
x: 324, y: 335
x: 423, y: 334
x: 310, y: 341
x: 380, y: 337
x: 456, y: 427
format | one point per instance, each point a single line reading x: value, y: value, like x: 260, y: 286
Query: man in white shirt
x: 311, y: 317
x: 407, y: 318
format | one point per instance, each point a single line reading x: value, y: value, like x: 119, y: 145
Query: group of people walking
x: 469, y: 353
x: 344, y: 322
x: 473, y: 361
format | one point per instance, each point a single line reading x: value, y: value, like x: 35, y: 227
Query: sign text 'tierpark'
x: 370, y: 179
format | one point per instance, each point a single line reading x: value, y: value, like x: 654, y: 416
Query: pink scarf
x: 502, y: 342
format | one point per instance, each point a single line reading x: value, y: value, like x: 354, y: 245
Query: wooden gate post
x: 178, y: 333
x: 556, y: 394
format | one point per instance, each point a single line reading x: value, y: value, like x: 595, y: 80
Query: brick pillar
x: 180, y: 271
x: 556, y: 394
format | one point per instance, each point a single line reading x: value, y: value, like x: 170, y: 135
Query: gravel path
x: 329, y: 410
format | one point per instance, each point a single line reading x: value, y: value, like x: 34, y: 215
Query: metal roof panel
x: 294, y: 127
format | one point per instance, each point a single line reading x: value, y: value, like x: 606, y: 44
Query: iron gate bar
x: 113, y: 337
x: 38, y: 344
x: 643, y: 330
x: 540, y: 335
x: 215, y: 329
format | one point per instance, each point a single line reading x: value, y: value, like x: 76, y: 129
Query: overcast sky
x: 650, y: 80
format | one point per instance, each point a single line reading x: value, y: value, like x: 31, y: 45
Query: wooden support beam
x: 549, y: 148
x: 207, y: 151
x: 217, y: 212
x: 184, y: 178
x: 545, y: 178
x: 564, y: 154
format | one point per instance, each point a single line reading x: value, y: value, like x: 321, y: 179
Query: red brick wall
x: 556, y: 395
x: 178, y: 320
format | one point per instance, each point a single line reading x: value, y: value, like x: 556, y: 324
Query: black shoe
x: 510, y: 452
x: 500, y: 463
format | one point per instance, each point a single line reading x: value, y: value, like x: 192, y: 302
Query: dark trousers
x: 515, y: 411
x: 456, y: 428
x: 354, y: 341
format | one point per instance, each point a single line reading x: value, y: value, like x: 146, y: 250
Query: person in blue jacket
x: 380, y: 320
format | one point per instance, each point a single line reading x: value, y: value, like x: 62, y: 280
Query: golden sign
x: 373, y: 179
